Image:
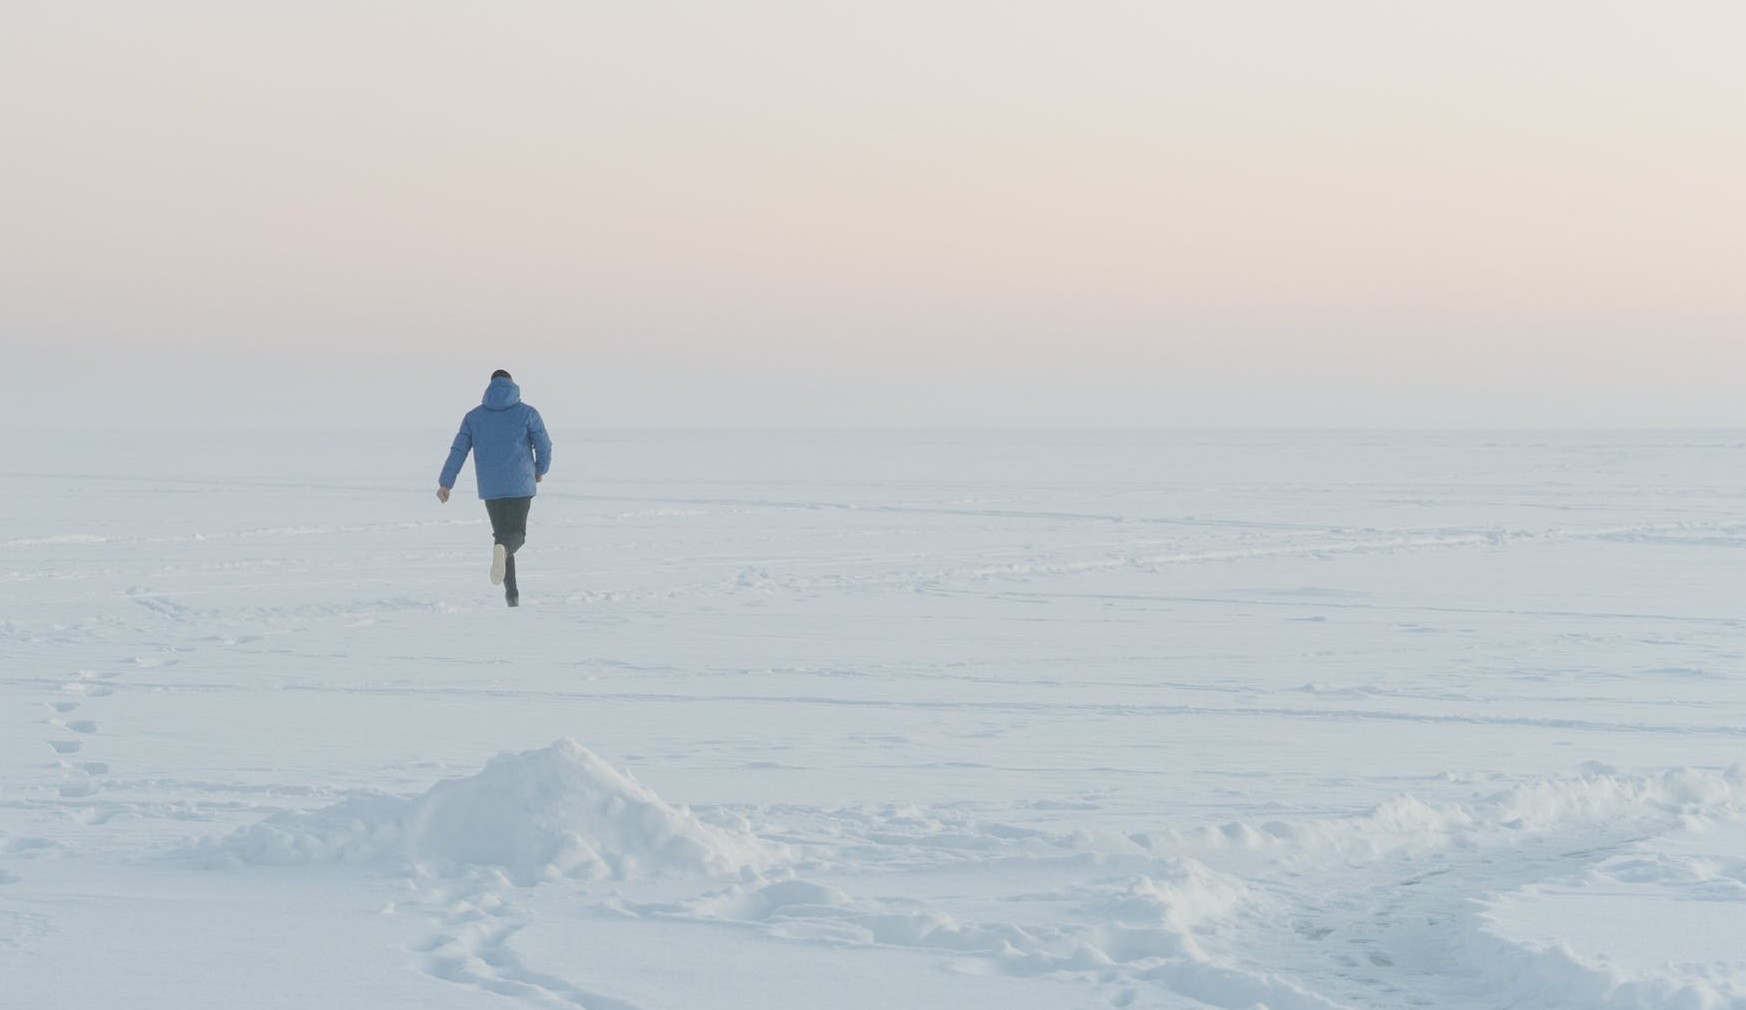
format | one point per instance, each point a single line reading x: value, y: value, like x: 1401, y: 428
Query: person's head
x: 500, y: 374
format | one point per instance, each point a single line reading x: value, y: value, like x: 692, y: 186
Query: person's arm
x: 542, y: 444
x: 462, y: 445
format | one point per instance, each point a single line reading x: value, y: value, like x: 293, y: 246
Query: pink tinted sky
x: 1002, y: 212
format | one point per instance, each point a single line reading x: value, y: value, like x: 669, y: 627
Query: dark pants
x: 509, y: 528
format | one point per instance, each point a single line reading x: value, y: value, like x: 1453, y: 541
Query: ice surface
x: 932, y: 719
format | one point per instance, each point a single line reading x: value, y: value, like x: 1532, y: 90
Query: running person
x: 511, y: 453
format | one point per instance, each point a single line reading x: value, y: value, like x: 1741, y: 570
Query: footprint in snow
x: 63, y: 707
x: 95, y: 767
x: 66, y: 746
x: 83, y: 726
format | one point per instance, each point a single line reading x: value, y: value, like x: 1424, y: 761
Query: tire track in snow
x: 1407, y: 608
x: 1050, y: 707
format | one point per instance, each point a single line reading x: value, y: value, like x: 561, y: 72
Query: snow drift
x: 560, y: 811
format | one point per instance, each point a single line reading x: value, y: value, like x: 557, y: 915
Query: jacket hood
x: 502, y: 394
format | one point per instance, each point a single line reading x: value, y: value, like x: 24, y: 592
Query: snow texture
x: 1027, y: 721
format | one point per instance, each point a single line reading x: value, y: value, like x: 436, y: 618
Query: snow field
x: 926, y: 719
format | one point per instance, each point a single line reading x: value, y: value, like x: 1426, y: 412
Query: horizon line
x: 899, y: 428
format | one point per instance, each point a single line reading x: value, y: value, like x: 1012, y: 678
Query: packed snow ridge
x: 560, y: 811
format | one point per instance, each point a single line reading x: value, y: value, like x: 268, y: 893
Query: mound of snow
x: 1656, y: 926
x: 1598, y: 795
x: 1183, y: 894
x: 1518, y: 955
x: 557, y: 812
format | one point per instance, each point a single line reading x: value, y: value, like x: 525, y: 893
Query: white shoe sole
x: 499, y: 564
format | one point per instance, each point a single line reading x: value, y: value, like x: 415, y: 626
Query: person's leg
x: 512, y: 537
x: 494, y: 512
x: 514, y: 531
x: 501, y: 521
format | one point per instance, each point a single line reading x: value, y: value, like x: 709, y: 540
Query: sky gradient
x: 794, y: 213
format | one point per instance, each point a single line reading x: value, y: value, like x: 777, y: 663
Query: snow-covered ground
x: 967, y: 720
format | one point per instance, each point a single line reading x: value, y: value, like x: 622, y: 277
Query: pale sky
x: 1009, y: 212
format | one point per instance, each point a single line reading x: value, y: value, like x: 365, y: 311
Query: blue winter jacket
x: 508, y: 441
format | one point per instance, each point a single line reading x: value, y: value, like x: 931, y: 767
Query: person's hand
x: 442, y: 494
x: 539, y: 477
